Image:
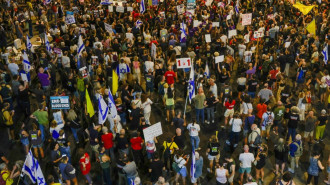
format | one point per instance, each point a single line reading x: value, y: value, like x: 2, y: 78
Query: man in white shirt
x: 13, y: 67
x: 325, y: 80
x: 194, y: 128
x: 149, y: 65
x: 241, y: 50
x: 213, y: 87
x: 66, y: 61
x: 246, y: 159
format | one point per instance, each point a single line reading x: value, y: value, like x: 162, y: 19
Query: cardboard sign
x: 69, y: 19
x: 232, y: 33
x: 95, y: 60
x: 220, y: 58
x: 287, y: 44
x: 215, y: 24
x: 120, y: 9
x: 110, y: 8
x: 108, y: 27
x: 130, y: 9
x: 60, y: 102
x: 24, y: 77
x: 153, y: 131
x: 196, y: 23
x: 84, y: 72
x: 207, y: 37
x: 183, y: 63
x: 246, y: 19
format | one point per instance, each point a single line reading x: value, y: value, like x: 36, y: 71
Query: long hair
x: 169, y: 92
x: 280, y: 146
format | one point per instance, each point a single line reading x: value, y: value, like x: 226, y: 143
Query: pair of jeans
x: 194, y: 142
x: 234, y: 137
x: 200, y: 112
x: 110, y: 152
x: 66, y: 151
x: 123, y: 118
x: 42, y: 130
x: 106, y: 176
x: 210, y: 114
x: 75, y: 133
x: 89, y: 178
x: 292, y: 133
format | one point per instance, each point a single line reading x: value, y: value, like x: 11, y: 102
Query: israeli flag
x: 142, y: 7
x: 26, y: 63
x: 112, y: 105
x: 122, y: 68
x: 80, y: 49
x: 47, y: 2
x: 32, y: 169
x: 191, y: 84
x: 28, y: 43
x: 183, y: 31
x: 236, y: 7
x: 325, y: 54
x: 207, y: 71
x: 103, y: 110
x: 193, y: 167
x: 138, y: 23
x: 48, y: 48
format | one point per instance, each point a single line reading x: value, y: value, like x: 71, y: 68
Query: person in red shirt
x: 273, y: 75
x: 107, y: 140
x: 229, y: 104
x: 261, y: 109
x: 170, y: 75
x: 85, y: 165
x: 136, y: 144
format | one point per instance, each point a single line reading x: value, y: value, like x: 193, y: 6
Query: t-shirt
x: 107, y: 140
x: 261, y: 108
x: 130, y: 170
x: 171, y: 145
x: 310, y: 123
x: 43, y: 78
x: 236, y: 124
x: 42, y: 117
x: 193, y: 129
x: 293, y: 120
x: 199, y: 101
x: 265, y: 94
x: 180, y: 141
x: 279, y: 113
x: 169, y: 77
x: 214, y: 148
x: 252, y: 85
x: 136, y: 143
x: 156, y: 169
x: 322, y: 120
x: 85, y: 160
x: 246, y: 159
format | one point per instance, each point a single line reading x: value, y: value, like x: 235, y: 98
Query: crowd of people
x: 253, y: 97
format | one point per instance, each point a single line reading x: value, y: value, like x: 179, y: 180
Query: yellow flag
x: 311, y: 28
x: 303, y: 8
x: 114, y: 82
x: 90, y: 108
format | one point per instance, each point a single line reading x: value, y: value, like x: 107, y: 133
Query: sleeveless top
x: 35, y: 139
x: 221, y: 175
x: 313, y: 168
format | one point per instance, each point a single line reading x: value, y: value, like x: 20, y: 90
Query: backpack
x: 270, y: 119
x: 258, y: 140
x: 299, y: 150
x: 161, y: 90
x: 167, y: 151
x: 3, y: 181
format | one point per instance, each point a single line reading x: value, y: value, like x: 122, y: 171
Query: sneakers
x: 207, y: 122
x: 290, y: 170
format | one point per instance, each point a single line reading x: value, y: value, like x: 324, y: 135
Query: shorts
x: 240, y: 88
x: 306, y: 134
x: 149, y: 88
x: 216, y: 157
x: 231, y: 179
x: 169, y: 107
x: 267, y: 128
x: 229, y: 113
x: 183, y: 172
x: 95, y: 148
x: 245, y: 133
x: 242, y: 170
x: 279, y: 162
x: 37, y: 146
x: 323, y: 90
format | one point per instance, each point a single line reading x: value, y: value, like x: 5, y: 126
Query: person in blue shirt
x: 295, y: 152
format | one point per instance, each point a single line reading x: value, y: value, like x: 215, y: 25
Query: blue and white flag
x: 105, y: 2
x: 32, y: 169
x: 237, y: 7
x: 112, y: 105
x: 207, y: 71
x: 193, y: 167
x: 191, y: 84
x: 46, y: 2
x: 183, y: 31
x: 122, y: 68
x: 26, y: 63
x: 28, y: 43
x: 103, y: 110
x: 138, y: 23
x: 80, y: 49
x: 325, y: 54
x: 48, y: 48
x: 142, y: 7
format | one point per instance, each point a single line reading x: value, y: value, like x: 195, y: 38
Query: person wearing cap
x: 321, y: 124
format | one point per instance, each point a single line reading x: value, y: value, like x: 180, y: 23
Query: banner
x: 220, y: 58
x: 69, y: 19
x: 108, y: 27
x: 60, y: 102
x: 120, y: 9
x: 303, y: 8
x: 106, y: 2
x: 180, y: 9
x: 183, y: 63
x: 246, y: 19
x: 153, y: 131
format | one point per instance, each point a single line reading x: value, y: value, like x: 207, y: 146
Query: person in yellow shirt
x: 6, y: 175
x: 8, y: 119
x: 169, y: 147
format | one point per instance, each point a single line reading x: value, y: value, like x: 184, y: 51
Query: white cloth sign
x: 196, y: 23
x: 287, y: 44
x: 130, y: 9
x: 24, y: 77
x: 215, y: 24
x: 110, y: 8
x: 232, y: 33
x: 246, y: 19
x: 207, y: 37
x: 58, y: 117
x: 108, y: 27
x: 183, y: 63
x: 220, y: 58
x: 153, y: 131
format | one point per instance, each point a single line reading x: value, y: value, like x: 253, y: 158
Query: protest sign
x: 220, y: 58
x: 60, y: 102
x: 232, y: 33
x: 153, y: 131
x: 183, y: 63
x: 246, y: 19
x: 207, y: 37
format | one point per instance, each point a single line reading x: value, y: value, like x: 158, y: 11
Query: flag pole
x: 20, y: 175
x: 185, y: 106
